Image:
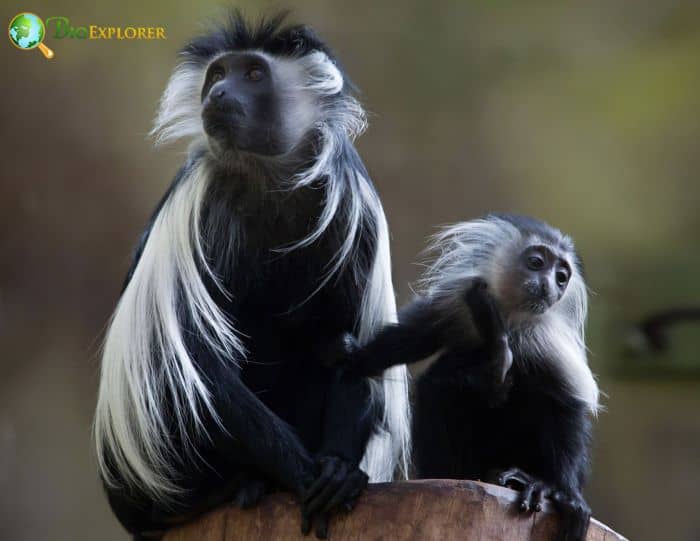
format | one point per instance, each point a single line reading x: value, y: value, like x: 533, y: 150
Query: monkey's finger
x: 250, y: 494
x: 341, y: 496
x: 537, y: 497
x: 514, y: 475
x: 527, y: 497
x: 344, y: 498
x: 328, y: 467
x: 355, y: 493
x: 319, y: 502
x: 322, y: 521
x: 305, y: 524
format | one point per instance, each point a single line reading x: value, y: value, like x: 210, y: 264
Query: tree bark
x: 412, y: 510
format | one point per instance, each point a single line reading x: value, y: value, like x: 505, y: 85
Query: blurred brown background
x: 586, y: 116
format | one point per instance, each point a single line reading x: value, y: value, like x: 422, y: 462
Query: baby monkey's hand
x: 341, y: 353
x: 492, y: 330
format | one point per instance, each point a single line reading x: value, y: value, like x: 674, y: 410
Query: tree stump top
x: 404, y: 511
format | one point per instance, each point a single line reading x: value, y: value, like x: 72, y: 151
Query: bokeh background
x: 587, y: 116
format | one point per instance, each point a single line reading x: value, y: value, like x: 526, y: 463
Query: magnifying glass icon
x: 27, y: 31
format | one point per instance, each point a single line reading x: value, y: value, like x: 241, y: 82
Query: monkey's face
x: 250, y: 103
x: 537, y: 279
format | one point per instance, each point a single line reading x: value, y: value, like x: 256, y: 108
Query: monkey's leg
x: 572, y: 508
x: 449, y: 417
x: 250, y: 491
x: 253, y: 437
x: 575, y: 513
x: 349, y: 419
x: 337, y: 488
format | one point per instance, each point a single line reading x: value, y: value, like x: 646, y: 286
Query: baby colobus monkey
x: 505, y: 392
x: 270, y: 243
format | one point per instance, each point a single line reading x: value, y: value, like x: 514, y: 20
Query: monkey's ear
x: 299, y: 40
x: 302, y: 38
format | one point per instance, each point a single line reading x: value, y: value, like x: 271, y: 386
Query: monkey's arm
x: 563, y: 437
x: 570, y: 463
x: 425, y: 327
x: 252, y: 435
x: 417, y: 335
x: 491, y: 330
x: 349, y: 419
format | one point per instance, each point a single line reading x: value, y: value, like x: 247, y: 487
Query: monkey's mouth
x: 536, y: 305
x: 223, y: 120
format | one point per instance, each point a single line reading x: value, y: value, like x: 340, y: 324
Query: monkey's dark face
x: 539, y: 279
x: 246, y: 103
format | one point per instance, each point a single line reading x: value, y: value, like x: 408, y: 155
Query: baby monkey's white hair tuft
x: 485, y: 248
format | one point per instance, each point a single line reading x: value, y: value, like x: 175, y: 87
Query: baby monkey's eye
x: 535, y: 262
x: 562, y: 276
x: 255, y: 74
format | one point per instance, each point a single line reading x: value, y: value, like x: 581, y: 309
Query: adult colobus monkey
x: 270, y: 243
x: 505, y: 387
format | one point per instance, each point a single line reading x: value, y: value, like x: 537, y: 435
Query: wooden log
x: 405, y: 511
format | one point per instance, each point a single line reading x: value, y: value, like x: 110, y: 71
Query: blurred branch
x: 654, y: 328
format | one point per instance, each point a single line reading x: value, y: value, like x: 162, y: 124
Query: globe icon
x: 27, y: 32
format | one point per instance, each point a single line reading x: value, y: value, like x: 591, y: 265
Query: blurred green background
x: 587, y: 116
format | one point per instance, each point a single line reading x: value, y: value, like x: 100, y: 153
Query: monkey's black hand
x: 250, y: 491
x: 490, y: 326
x: 485, y: 312
x: 532, y: 490
x: 340, y: 353
x: 336, y: 488
x: 572, y: 508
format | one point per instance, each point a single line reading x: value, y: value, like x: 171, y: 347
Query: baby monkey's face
x: 535, y: 280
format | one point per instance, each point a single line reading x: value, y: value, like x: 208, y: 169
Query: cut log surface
x: 412, y: 510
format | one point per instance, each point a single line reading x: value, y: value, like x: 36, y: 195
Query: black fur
x: 469, y: 424
x: 269, y: 34
x: 288, y: 420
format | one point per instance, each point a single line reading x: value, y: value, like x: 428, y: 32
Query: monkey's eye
x: 562, y: 276
x: 535, y: 262
x: 217, y: 74
x: 255, y: 74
